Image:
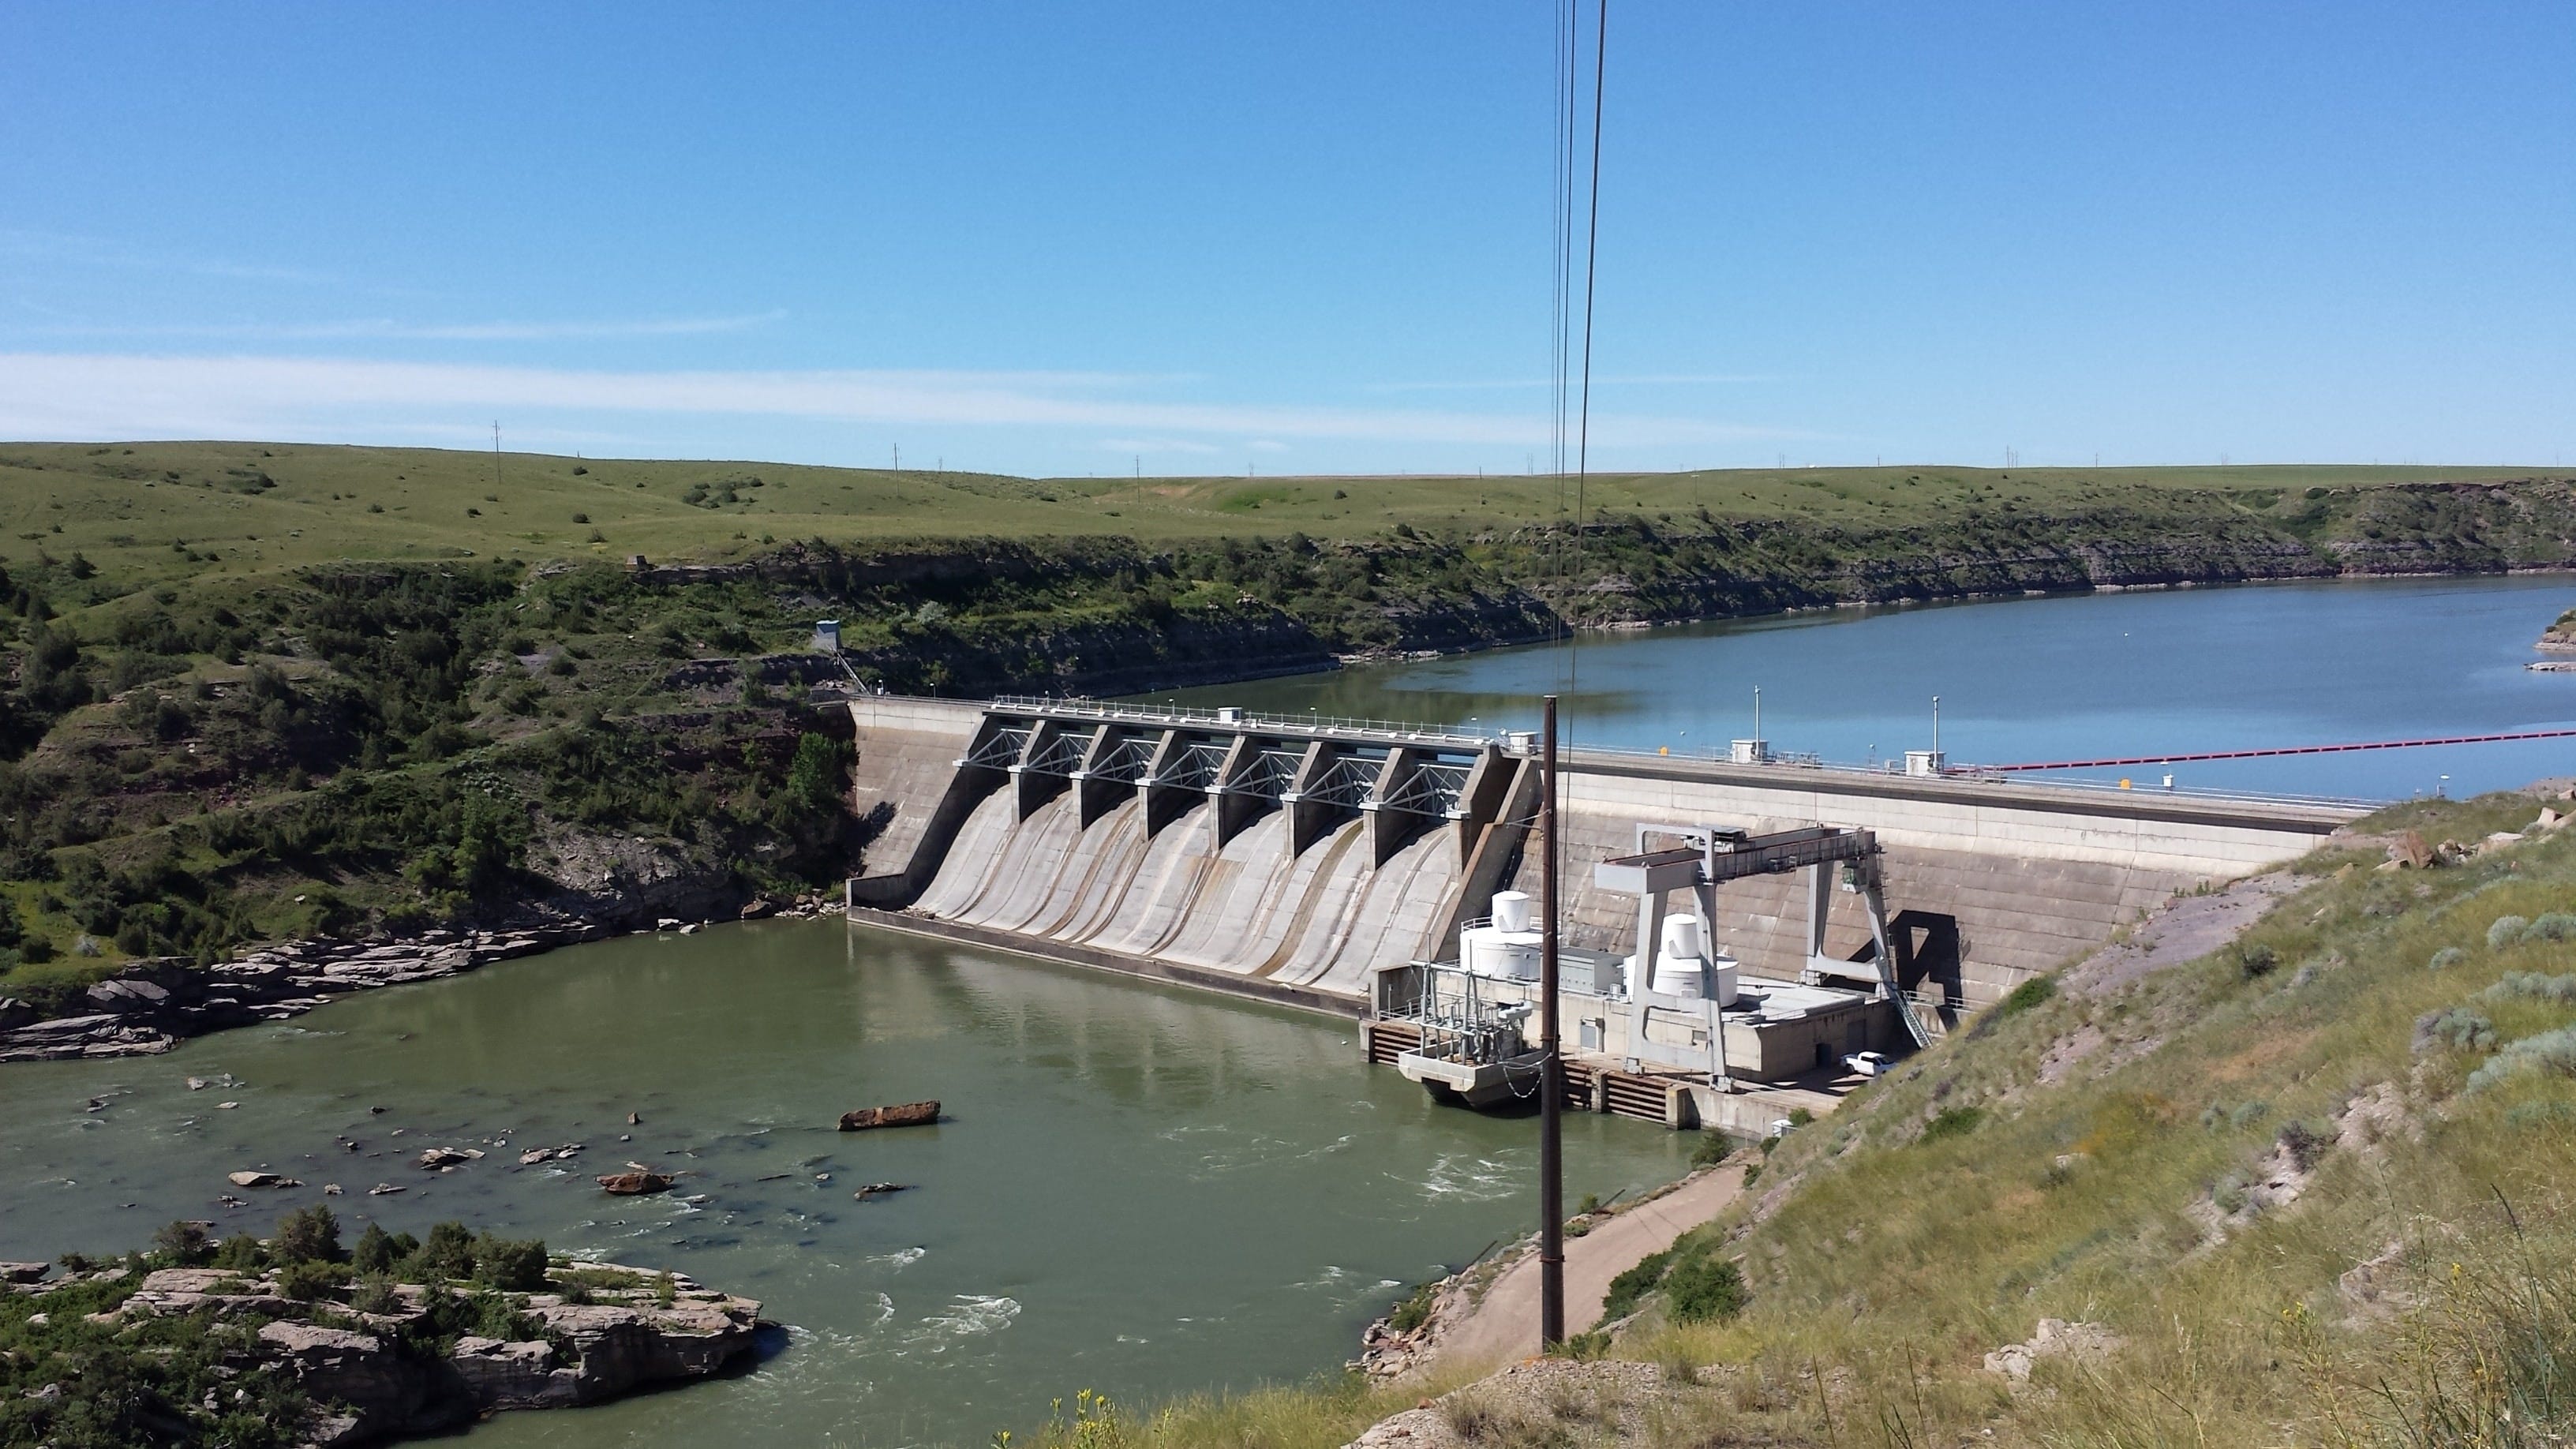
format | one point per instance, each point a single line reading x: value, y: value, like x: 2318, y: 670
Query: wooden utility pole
x: 1551, y: 1067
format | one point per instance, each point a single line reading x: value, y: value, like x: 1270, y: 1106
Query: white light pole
x: 1936, y: 724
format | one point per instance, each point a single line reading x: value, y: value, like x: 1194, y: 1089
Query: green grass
x: 182, y: 510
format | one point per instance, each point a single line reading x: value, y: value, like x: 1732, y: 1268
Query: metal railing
x: 1444, y: 736
x: 1182, y: 717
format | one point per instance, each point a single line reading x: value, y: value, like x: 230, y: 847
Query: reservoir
x: 1139, y: 1190
x: 2089, y: 676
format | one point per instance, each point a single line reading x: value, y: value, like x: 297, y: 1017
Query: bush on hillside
x: 2551, y: 1051
x: 2458, y: 1027
x: 2554, y: 926
x: 1703, y: 1289
x: 1633, y: 1285
x: 2034, y: 992
x: 307, y: 1235
x: 2504, y: 931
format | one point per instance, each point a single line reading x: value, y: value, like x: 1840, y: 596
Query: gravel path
x: 1504, y: 1325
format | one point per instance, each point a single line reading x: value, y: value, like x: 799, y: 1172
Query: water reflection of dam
x: 1293, y: 859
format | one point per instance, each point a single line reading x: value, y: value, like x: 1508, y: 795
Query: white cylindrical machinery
x: 1688, y: 967
x: 1509, y: 947
x: 1681, y: 936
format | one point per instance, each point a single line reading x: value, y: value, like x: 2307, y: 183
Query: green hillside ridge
x: 2316, y: 1188
x: 239, y: 703
x: 246, y: 507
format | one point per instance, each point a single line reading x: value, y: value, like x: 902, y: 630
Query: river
x: 2064, y: 677
x: 1139, y: 1189
x: 1143, y: 1190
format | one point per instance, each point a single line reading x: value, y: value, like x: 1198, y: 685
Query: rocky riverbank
x: 153, y: 1005
x: 345, y: 1367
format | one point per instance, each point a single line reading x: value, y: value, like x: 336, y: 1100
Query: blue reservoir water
x: 2092, y: 676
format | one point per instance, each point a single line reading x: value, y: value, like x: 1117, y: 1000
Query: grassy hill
x: 2315, y: 1188
x: 179, y: 510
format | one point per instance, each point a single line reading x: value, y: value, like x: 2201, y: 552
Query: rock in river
x: 910, y: 1114
x: 639, y: 1181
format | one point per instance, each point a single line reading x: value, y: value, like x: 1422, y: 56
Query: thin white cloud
x: 102, y: 252
x: 65, y: 395
x: 385, y: 328
x: 1645, y: 379
x: 1267, y: 445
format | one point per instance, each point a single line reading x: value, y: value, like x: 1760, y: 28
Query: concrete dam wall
x: 1291, y: 859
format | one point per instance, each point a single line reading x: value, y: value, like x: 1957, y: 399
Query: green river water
x: 1139, y: 1190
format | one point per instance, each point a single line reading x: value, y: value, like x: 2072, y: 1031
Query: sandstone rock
x: 909, y: 1114
x: 638, y: 1182
x: 23, y: 1272
x: 2055, y: 1337
x: 439, y: 1158
x: 515, y: 1375
x: 262, y: 1179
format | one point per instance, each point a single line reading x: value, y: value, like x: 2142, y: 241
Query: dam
x: 1338, y: 864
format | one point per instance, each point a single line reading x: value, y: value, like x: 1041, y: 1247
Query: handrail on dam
x: 1445, y: 737
x: 1100, y: 711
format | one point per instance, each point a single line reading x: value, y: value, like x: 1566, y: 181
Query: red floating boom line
x: 2285, y: 750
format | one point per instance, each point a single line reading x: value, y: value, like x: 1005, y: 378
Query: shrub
x: 375, y: 1294
x: 1414, y: 1311
x: 1951, y: 1122
x: 375, y: 1252
x: 2255, y: 960
x: 310, y: 1278
x: 1635, y: 1284
x: 2034, y: 992
x: 2554, y: 926
x: 449, y: 1253
x: 1704, y: 1289
x: 307, y: 1235
x: 2306, y: 1143
x: 186, y: 1244
x: 1711, y: 1149
x: 2551, y: 1051
x: 2460, y: 1028
x: 2445, y: 958
x: 242, y: 1254
x: 2504, y: 930
x: 2228, y: 1194
x: 1582, y: 1347
x: 515, y: 1267
x: 2535, y: 986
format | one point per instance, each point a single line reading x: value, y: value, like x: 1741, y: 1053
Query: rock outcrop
x: 604, y: 1331
x: 155, y: 1004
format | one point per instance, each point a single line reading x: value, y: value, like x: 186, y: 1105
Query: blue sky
x: 1308, y: 238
